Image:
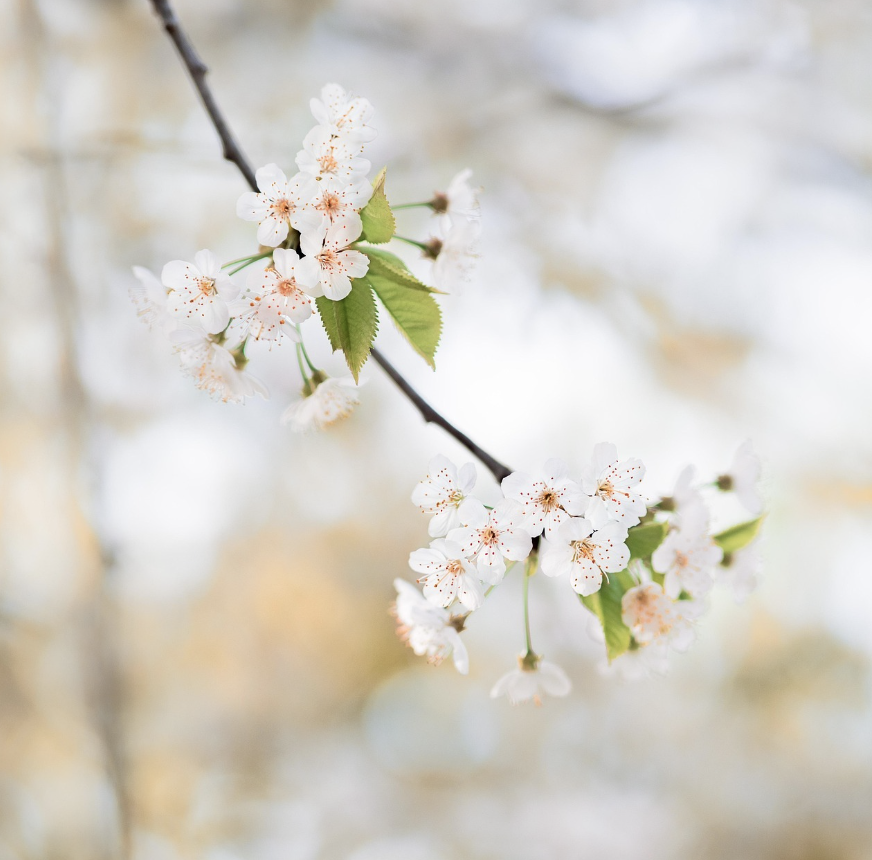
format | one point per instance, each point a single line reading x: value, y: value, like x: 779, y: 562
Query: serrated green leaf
x: 378, y: 221
x: 739, y: 536
x: 390, y: 265
x: 351, y: 324
x: 643, y: 539
x: 414, y: 311
x: 606, y: 605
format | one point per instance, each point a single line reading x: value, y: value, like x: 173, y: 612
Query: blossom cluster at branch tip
x: 595, y: 530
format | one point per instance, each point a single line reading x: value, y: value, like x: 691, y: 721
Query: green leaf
x: 415, y: 312
x: 739, y: 536
x: 351, y: 323
x: 378, y: 220
x: 390, y: 265
x: 642, y: 540
x: 606, y: 605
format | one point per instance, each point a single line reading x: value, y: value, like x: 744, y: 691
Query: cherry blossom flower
x: 343, y: 115
x: 333, y: 399
x: 336, y: 266
x: 200, y: 291
x: 428, y: 629
x: 214, y: 368
x: 686, y: 502
x: 549, y: 500
x: 280, y: 205
x: 530, y: 682
x: 688, y: 559
x: 275, y: 297
x: 740, y: 572
x: 492, y: 537
x: 149, y: 296
x: 340, y: 207
x: 609, y: 482
x: 447, y: 573
x: 585, y: 549
x: 638, y: 663
x: 459, y: 202
x: 444, y: 494
x: 742, y: 478
x: 651, y: 615
x: 332, y: 159
x: 454, y: 255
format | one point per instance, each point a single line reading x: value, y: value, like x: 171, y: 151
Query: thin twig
x: 197, y: 69
x: 232, y: 152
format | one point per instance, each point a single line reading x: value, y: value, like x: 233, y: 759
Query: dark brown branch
x: 197, y: 70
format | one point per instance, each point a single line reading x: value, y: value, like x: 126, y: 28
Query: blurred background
x: 196, y: 656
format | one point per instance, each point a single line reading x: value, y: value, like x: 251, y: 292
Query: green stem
x: 414, y: 242
x: 248, y: 261
x: 411, y: 205
x: 529, y: 570
x: 302, y: 366
x: 305, y: 354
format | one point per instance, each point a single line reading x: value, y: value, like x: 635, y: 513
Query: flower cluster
x: 643, y: 568
x: 316, y: 232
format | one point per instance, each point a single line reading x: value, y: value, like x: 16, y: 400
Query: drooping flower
x: 610, y: 484
x: 336, y: 160
x: 529, y: 682
x: 149, y: 296
x: 688, y: 558
x: 447, y: 573
x: 275, y: 297
x: 585, y: 549
x: 638, y: 663
x: 282, y: 203
x: 428, y: 629
x: 214, y: 368
x: 740, y: 572
x: 743, y: 476
x: 342, y: 114
x: 454, y: 255
x: 333, y: 399
x: 492, y: 537
x: 686, y: 502
x: 199, y: 291
x: 327, y: 247
x: 651, y: 615
x: 548, y: 500
x: 459, y: 202
x: 444, y: 494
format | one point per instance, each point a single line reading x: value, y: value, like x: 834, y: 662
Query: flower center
x: 328, y: 163
x: 488, y: 536
x: 206, y: 286
x: 548, y: 500
x: 329, y: 204
x: 329, y: 260
x: 605, y: 489
x: 282, y: 207
x: 286, y: 287
x: 681, y: 560
x: 582, y: 549
x: 455, y: 498
x: 454, y: 567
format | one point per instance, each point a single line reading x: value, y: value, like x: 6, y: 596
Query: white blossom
x: 547, y: 500
x: 459, y: 202
x: 149, y: 296
x: 638, y: 663
x: 651, y: 615
x: 332, y: 400
x: 340, y: 207
x: 336, y: 160
x: 342, y: 114
x: 688, y: 505
x: 494, y: 536
x: 444, y: 494
x: 743, y: 476
x: 337, y: 266
x: 199, y: 291
x: 526, y: 683
x: 585, y: 549
x: 610, y: 483
x: 740, y: 572
x: 688, y: 559
x: 280, y: 205
x: 427, y: 628
x: 455, y: 255
x: 213, y: 367
x: 275, y: 297
x: 447, y: 573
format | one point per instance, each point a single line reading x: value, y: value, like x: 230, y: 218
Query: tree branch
x: 232, y: 152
